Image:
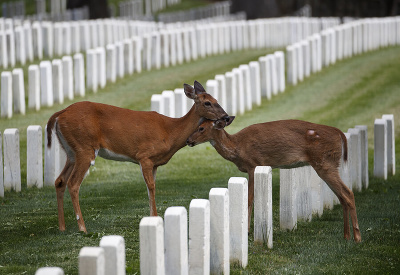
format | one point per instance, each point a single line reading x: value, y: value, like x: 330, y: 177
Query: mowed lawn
x: 113, y: 197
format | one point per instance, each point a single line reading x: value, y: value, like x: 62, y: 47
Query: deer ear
x: 229, y: 121
x: 189, y: 91
x: 199, y: 88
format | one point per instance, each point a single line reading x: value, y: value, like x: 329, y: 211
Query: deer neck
x: 225, y: 145
x: 183, y: 127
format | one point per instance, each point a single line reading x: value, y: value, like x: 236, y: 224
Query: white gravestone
x: 272, y: 74
x: 114, y: 254
x: 137, y: 50
x: 231, y: 93
x: 46, y: 84
x: 79, y: 75
x: 20, y: 52
x: 91, y: 261
x: 101, y: 67
x: 263, y: 229
x: 212, y: 88
x: 128, y: 56
x: 151, y: 235
x: 180, y: 103
x: 49, y: 271
x: 6, y: 95
x: 255, y: 82
x: 355, y: 153
x: 28, y: 41
x: 265, y: 77
x: 34, y: 152
x: 391, y: 159
x: 47, y: 33
x: 245, y: 69
x: 240, y: 101
x: 238, y: 220
x: 380, y: 148
x: 68, y: 77
x: 219, y: 230
x: 280, y: 70
x: 176, y: 240
x: 120, y: 59
x: 3, y: 50
x: 58, y: 87
x: 11, y: 47
x: 37, y: 40
x: 12, y: 166
x: 169, y: 103
x: 18, y: 91
x: 91, y: 71
x: 157, y: 103
x: 291, y: 65
x: 34, y: 87
x: 199, y: 237
x: 287, y: 199
x: 111, y: 63
x: 303, y: 190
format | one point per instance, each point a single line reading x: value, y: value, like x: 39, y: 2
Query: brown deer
x: 87, y: 130
x: 284, y: 144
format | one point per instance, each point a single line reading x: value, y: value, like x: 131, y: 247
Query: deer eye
x: 208, y: 103
x: 201, y: 129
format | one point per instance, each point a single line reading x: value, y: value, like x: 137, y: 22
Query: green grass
x: 113, y: 197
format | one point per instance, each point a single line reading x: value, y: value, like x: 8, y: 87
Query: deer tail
x: 50, y: 125
x: 344, y: 141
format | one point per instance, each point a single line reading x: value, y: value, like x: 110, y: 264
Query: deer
x: 87, y: 130
x: 284, y: 144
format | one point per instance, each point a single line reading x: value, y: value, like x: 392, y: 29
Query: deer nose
x: 189, y: 143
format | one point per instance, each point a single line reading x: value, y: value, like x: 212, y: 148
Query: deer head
x: 207, y: 130
x: 206, y: 106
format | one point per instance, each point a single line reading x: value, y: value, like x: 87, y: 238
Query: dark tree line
x: 275, y: 8
x: 340, y: 8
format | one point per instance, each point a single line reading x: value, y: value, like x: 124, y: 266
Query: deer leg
x: 81, y: 166
x: 250, y: 198
x: 149, y: 175
x: 61, y: 184
x: 346, y: 198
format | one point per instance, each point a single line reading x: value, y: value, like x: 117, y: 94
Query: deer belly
x: 107, y: 154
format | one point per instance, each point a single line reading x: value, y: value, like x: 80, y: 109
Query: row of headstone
x: 219, y: 9
x: 37, y: 175
x: 150, y: 51
x: 303, y: 193
x: 236, y: 91
x: 107, y: 258
x: 339, y: 42
x: 217, y: 234
x: 21, y: 41
x: 384, y: 147
x: 48, y: 83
